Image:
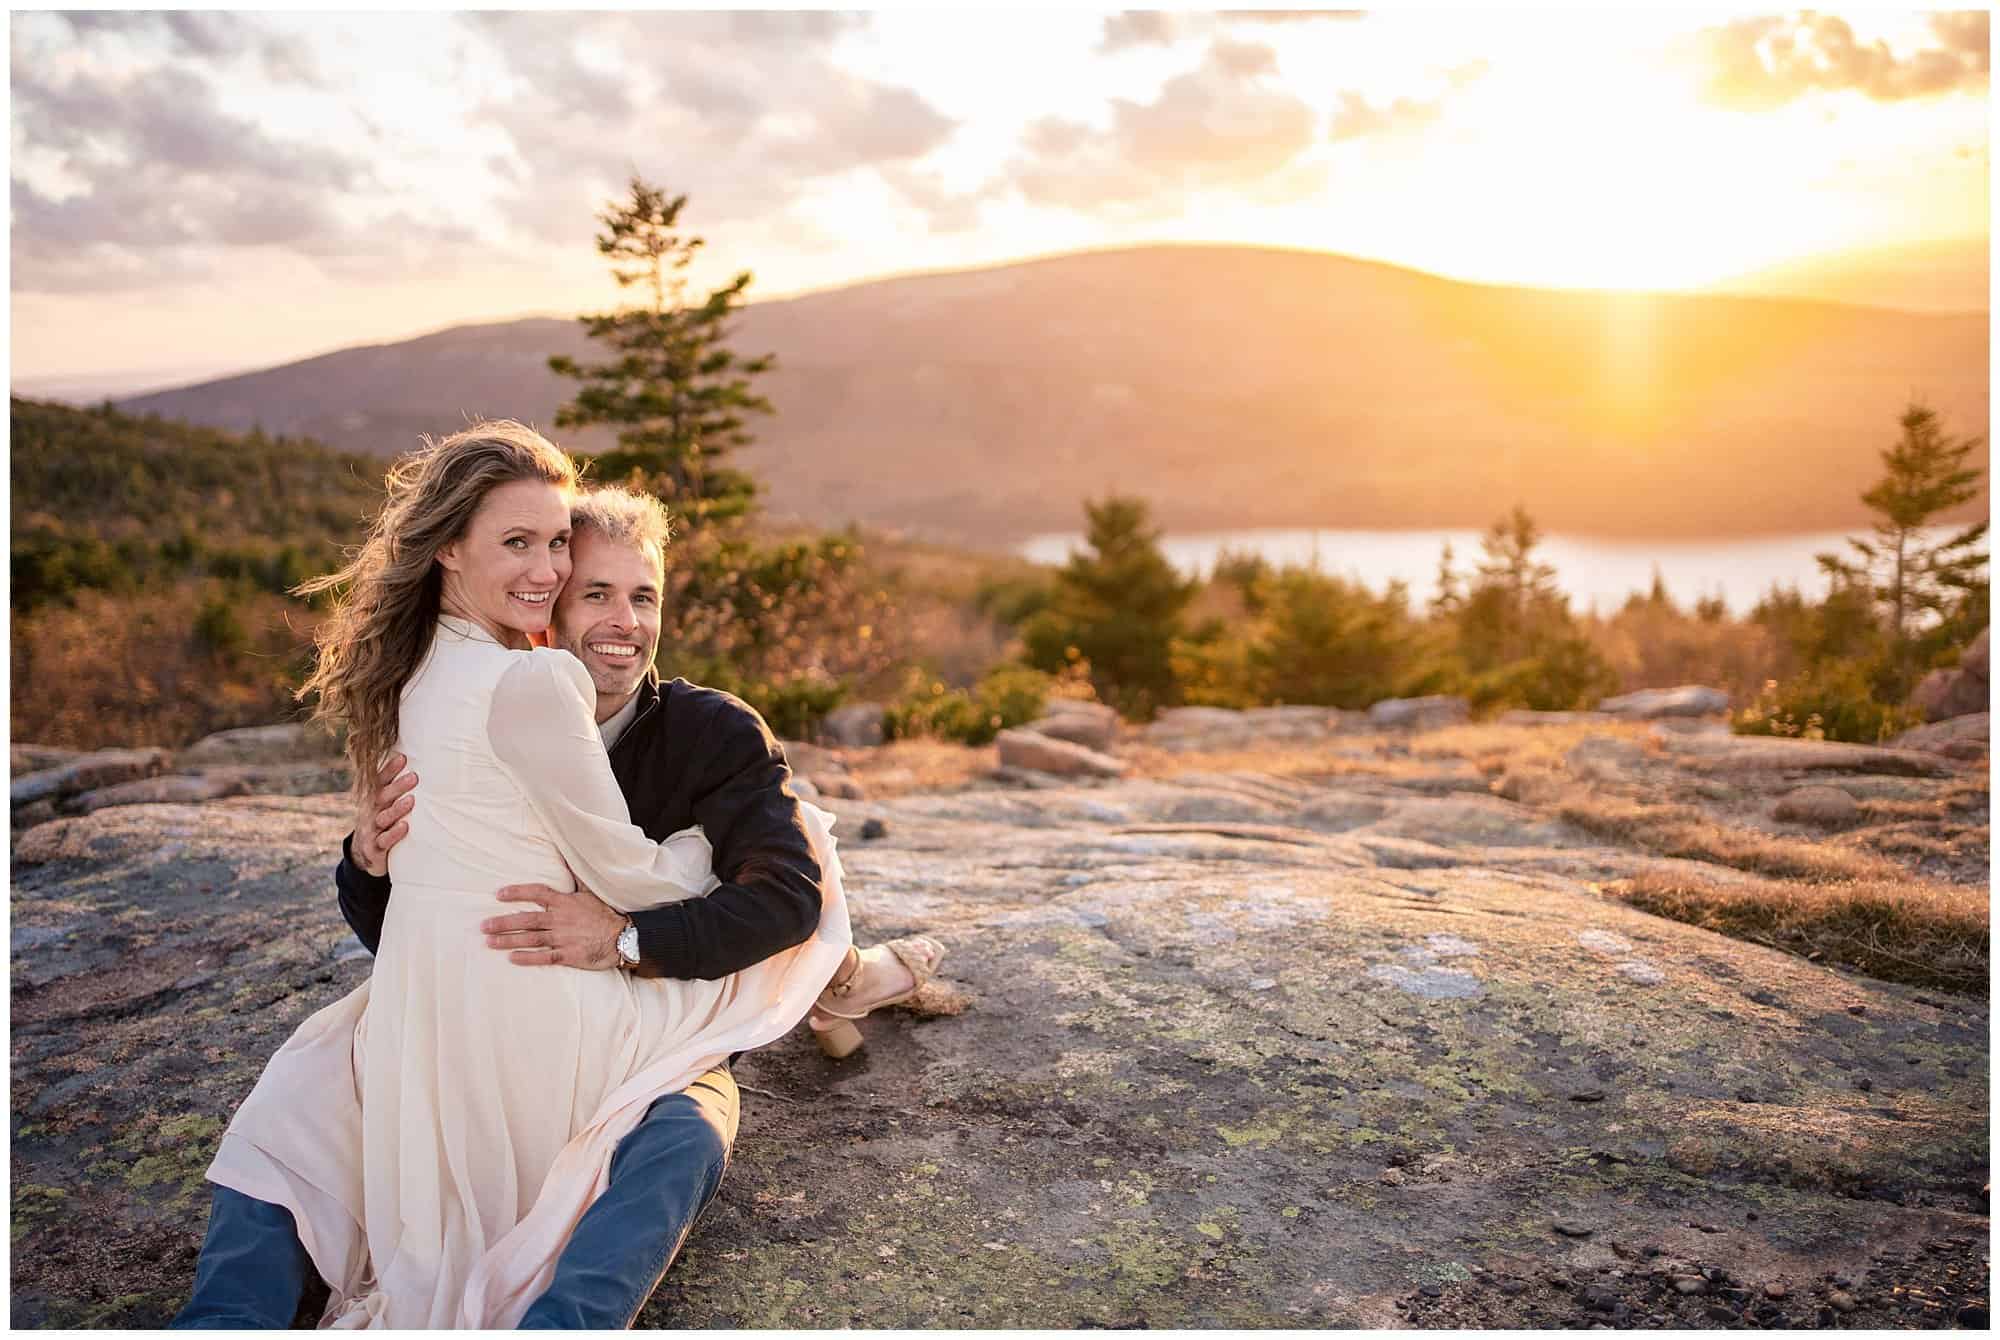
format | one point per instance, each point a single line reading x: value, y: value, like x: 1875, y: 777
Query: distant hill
x: 1236, y: 387
x: 1949, y: 276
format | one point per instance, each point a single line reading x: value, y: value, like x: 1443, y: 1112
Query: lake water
x: 1594, y: 572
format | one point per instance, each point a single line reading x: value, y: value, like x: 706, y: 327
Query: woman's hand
x: 385, y: 816
x: 574, y: 930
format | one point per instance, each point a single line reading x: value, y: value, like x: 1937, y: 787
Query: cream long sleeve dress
x: 437, y: 1132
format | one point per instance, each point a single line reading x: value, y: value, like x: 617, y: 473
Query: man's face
x: 608, y: 616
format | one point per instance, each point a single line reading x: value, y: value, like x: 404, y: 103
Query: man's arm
x: 769, y: 899
x: 364, y: 898
x: 362, y: 877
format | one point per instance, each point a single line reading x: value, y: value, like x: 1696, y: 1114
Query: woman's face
x: 505, y: 572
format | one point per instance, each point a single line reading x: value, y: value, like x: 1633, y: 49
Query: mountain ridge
x: 1345, y: 389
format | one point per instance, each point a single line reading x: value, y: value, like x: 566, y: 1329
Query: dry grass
x: 1676, y: 830
x: 1916, y: 932
x: 1493, y: 748
x: 902, y: 767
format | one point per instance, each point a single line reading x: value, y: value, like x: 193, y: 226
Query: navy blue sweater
x: 691, y: 756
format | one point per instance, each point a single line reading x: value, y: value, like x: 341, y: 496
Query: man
x: 683, y: 755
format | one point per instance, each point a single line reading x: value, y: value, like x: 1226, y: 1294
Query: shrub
x: 1568, y: 674
x: 1212, y: 668
x: 1009, y: 696
x: 1328, y: 642
x: 794, y: 706
x: 217, y: 629
x: 1832, y: 701
x: 1013, y: 600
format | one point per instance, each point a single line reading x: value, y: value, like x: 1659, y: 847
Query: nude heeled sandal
x: 832, y: 1023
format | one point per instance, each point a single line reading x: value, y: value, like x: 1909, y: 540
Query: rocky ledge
x: 1364, y: 1044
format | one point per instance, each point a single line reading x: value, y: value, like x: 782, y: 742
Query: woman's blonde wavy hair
x: 388, y: 597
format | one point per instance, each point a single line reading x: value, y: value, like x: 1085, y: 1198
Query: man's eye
x: 594, y: 595
x: 559, y: 542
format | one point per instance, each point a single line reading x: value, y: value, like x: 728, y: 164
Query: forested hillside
x: 150, y: 562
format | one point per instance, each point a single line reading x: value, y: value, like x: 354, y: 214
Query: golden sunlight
x: 1627, y: 182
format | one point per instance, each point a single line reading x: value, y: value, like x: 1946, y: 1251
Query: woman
x: 437, y: 1133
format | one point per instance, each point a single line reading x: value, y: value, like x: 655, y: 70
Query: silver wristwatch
x: 628, y: 945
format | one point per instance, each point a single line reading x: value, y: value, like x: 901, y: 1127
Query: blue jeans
x: 253, y: 1269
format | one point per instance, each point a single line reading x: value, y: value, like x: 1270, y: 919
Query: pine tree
x: 1119, y: 607
x: 1904, y: 572
x: 1513, y: 598
x: 674, y: 391
x: 1449, y: 594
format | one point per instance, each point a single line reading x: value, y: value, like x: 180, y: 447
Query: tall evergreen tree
x: 1902, y: 570
x: 1513, y: 599
x: 673, y: 389
x: 1448, y: 596
x: 1120, y: 607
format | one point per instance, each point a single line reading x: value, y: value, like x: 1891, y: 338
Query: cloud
x: 1756, y: 64
x: 166, y: 174
x: 128, y: 161
x: 1214, y: 127
x: 1291, y: 15
x: 1354, y: 117
x: 1143, y: 28
x: 743, y: 111
x: 1161, y: 28
x: 1357, y: 118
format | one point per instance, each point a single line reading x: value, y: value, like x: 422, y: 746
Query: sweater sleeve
x: 364, y: 898
x: 543, y: 733
x: 769, y: 896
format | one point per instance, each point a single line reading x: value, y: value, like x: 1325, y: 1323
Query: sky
x: 194, y: 193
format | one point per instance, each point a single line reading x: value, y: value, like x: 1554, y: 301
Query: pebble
x: 1865, y: 1084
x: 1690, y: 1284
x: 1745, y: 1096
x: 1587, y: 1096
x: 1431, y: 1291
x: 1774, y: 1290
x: 1717, y: 1312
x: 1392, y: 1177
x: 1843, y: 1302
x: 1599, y: 1300
x: 872, y: 829
x: 1513, y: 1288
x: 1857, y: 1010
x: 1569, y: 1228
x: 1972, y: 1317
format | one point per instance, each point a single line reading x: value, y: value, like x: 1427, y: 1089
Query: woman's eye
x: 516, y: 541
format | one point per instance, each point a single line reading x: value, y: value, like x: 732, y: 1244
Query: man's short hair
x: 616, y: 513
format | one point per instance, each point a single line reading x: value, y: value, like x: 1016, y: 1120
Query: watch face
x: 628, y: 944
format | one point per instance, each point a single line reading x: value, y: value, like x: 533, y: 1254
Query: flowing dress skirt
x: 438, y: 1132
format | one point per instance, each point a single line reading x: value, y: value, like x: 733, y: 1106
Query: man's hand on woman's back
x: 384, y: 819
